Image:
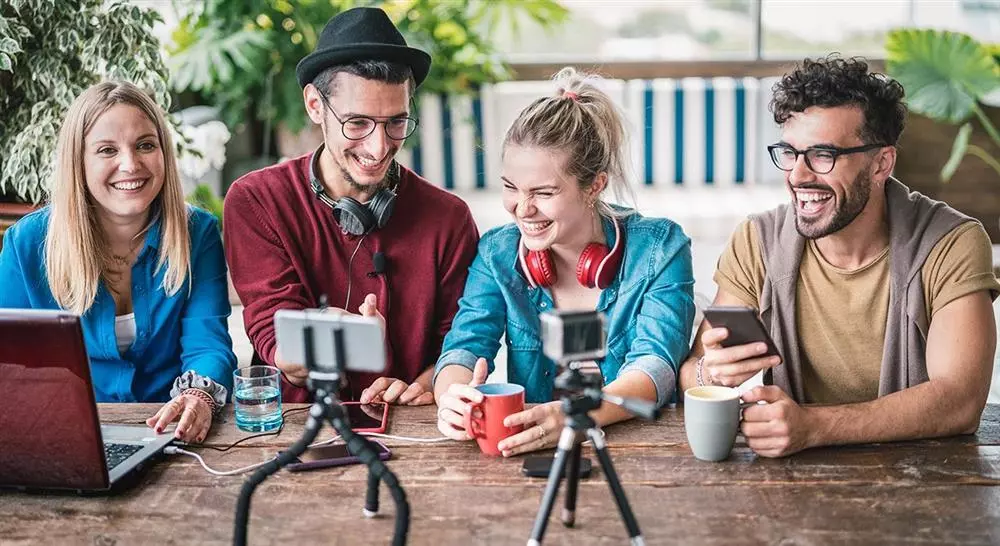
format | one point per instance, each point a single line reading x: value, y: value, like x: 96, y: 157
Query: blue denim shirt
x: 174, y: 334
x: 649, y: 309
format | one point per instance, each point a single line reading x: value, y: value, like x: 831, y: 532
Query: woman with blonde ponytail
x: 569, y: 248
x: 118, y: 246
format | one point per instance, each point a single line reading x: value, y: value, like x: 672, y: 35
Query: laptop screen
x: 50, y: 436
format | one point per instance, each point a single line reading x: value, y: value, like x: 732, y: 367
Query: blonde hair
x: 76, y: 252
x: 583, y: 122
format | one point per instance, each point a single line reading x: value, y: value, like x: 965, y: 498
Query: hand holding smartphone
x: 745, y: 327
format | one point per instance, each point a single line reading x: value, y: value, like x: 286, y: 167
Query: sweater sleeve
x: 14, y: 293
x: 263, y: 275
x: 458, y: 255
x: 206, y: 347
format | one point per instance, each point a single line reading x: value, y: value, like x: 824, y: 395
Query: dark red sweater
x: 285, y: 249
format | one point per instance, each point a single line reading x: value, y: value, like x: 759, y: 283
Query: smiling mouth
x: 811, y: 202
x: 531, y: 228
x: 130, y: 185
x: 369, y: 165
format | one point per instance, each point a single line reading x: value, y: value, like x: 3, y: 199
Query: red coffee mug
x: 499, y: 401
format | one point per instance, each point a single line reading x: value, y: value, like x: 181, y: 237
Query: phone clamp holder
x: 567, y: 337
x: 324, y: 384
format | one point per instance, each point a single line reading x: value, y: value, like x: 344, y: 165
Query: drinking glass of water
x: 257, y: 398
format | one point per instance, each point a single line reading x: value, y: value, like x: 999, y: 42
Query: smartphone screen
x: 331, y: 455
x: 366, y: 416
x: 539, y: 467
x: 336, y: 451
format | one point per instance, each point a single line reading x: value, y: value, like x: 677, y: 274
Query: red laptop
x: 50, y: 436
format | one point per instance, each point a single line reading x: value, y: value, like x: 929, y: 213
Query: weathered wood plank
x: 420, y: 422
x: 898, y: 466
x: 465, y: 514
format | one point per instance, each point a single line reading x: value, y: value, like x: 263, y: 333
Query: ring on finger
x: 541, y: 431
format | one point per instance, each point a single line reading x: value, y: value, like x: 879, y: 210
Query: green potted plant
x: 240, y: 55
x: 946, y: 76
x: 50, y: 51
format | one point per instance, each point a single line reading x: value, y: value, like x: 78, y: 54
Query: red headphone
x: 596, y: 269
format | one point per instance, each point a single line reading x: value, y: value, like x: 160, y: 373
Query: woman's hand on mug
x: 454, y: 403
x: 542, y: 426
x: 732, y: 366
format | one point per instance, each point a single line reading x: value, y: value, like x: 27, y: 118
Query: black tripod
x: 323, y: 384
x: 582, y: 393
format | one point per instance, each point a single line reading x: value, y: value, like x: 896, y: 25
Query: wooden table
x: 930, y: 492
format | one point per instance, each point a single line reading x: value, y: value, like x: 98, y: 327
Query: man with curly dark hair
x: 878, y: 298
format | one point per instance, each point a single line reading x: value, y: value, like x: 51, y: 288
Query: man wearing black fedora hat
x: 348, y: 222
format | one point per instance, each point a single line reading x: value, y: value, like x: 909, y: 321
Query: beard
x: 367, y: 189
x: 845, y: 213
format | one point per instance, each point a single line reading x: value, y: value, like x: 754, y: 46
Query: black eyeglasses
x: 819, y: 159
x: 359, y: 127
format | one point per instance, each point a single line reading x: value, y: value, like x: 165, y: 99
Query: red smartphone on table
x: 367, y: 417
x: 332, y: 455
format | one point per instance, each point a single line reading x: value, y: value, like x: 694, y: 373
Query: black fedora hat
x: 361, y: 34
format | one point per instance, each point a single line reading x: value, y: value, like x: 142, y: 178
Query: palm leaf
x: 215, y: 57
x: 958, y: 150
x: 944, y: 73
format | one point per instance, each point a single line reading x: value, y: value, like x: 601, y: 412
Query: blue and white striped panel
x: 503, y: 102
x: 448, y: 152
x: 768, y: 133
x: 501, y: 105
x: 698, y: 131
x: 638, y: 94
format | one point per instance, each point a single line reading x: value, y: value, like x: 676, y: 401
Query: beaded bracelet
x: 204, y: 396
x: 699, y: 368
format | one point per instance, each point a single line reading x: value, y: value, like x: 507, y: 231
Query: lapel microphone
x: 379, y: 262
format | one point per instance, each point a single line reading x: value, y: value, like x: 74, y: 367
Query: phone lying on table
x: 539, y: 467
x: 744, y: 327
x: 332, y: 455
x: 367, y: 417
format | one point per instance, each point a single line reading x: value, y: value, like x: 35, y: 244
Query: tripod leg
x: 371, y: 498
x: 608, y: 468
x: 566, y: 441
x: 572, y: 481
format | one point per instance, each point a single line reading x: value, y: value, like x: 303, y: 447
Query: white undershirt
x: 125, y: 331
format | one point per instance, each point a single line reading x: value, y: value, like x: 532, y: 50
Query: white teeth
x: 533, y: 227
x: 367, y: 163
x: 130, y: 185
x: 807, y: 197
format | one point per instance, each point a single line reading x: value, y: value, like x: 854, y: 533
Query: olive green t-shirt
x: 841, y: 315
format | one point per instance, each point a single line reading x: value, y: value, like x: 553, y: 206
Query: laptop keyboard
x: 116, y: 453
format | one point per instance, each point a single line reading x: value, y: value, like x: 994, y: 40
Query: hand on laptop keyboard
x: 193, y: 416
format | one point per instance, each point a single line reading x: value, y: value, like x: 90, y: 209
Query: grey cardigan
x: 916, y: 224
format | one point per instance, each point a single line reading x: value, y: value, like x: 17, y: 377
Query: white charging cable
x: 172, y: 450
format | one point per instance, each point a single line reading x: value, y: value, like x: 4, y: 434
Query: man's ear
x: 884, y: 164
x: 314, y: 103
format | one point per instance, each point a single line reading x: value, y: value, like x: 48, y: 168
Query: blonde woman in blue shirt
x: 568, y: 248
x: 118, y: 246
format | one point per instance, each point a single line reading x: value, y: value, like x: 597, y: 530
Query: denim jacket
x: 649, y: 308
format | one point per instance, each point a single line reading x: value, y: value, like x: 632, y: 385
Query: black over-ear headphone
x: 352, y: 216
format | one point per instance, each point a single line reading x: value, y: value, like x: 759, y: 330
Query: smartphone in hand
x: 744, y: 327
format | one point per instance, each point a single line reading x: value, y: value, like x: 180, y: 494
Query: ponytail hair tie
x: 571, y: 95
